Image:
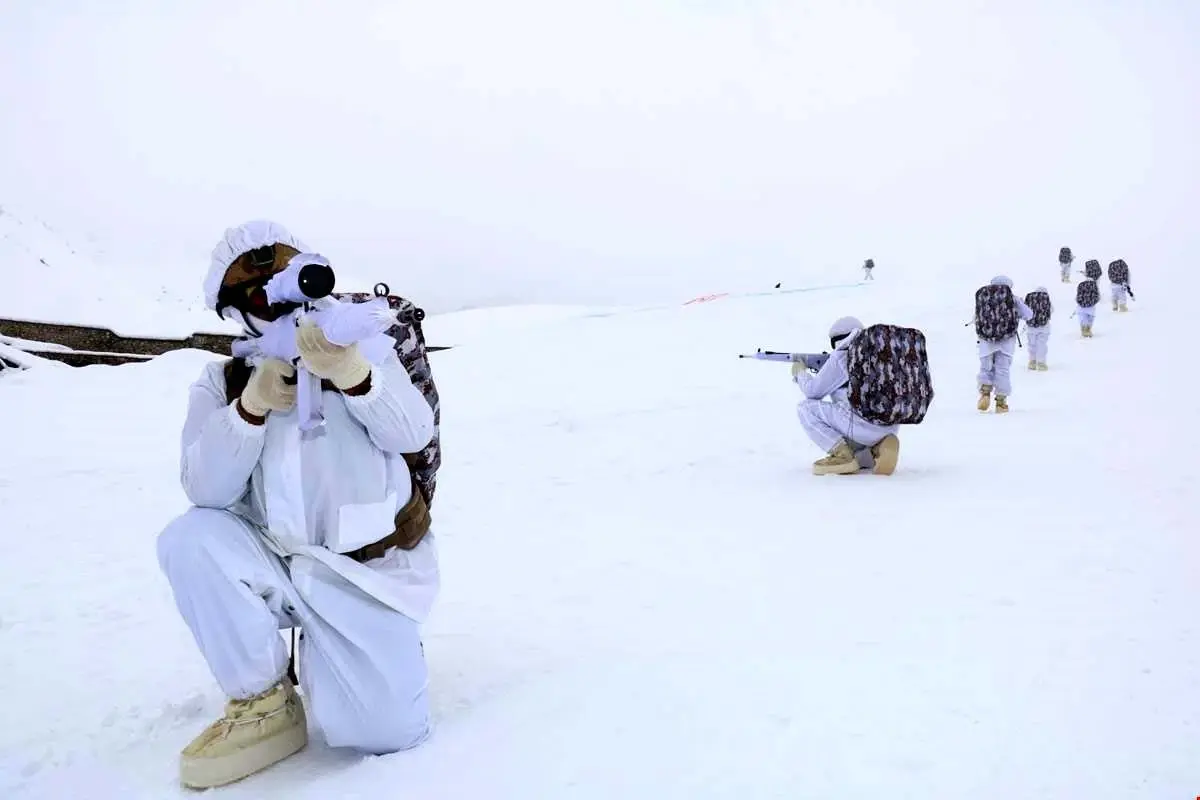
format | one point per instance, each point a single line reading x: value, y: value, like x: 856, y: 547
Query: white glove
x: 344, y: 367
x: 798, y: 368
x: 266, y: 391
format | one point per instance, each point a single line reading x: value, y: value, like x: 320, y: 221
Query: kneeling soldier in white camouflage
x: 265, y: 546
x: 852, y: 442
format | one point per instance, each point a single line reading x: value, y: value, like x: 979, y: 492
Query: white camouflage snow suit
x: 252, y: 556
x: 995, y: 359
x: 1039, y: 341
x: 827, y: 417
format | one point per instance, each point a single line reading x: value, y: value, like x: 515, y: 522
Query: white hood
x: 844, y: 326
x: 242, y: 239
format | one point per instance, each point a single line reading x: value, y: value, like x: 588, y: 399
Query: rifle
x: 302, y: 289
x: 812, y: 361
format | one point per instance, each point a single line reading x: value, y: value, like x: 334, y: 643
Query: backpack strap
x: 237, y: 375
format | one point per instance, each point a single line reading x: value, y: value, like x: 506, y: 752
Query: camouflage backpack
x: 995, y: 313
x: 1064, y: 256
x: 1118, y: 272
x: 1039, y: 303
x: 890, y: 383
x: 1087, y: 294
x: 410, y: 347
x: 1092, y: 269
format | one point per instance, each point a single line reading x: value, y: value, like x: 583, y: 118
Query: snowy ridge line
x: 770, y: 292
x: 708, y: 298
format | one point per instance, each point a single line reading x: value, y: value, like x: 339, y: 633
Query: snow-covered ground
x: 646, y: 592
x: 50, y: 276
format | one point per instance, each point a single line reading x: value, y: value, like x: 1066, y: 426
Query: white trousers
x: 1087, y: 316
x: 995, y: 369
x: 1039, y: 343
x: 362, y: 667
x: 826, y: 422
x: 1119, y: 293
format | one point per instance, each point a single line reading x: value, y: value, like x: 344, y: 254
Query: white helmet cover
x: 242, y: 239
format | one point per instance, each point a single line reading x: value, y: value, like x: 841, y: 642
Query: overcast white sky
x: 478, y: 151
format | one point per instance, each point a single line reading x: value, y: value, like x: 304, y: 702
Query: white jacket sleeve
x: 833, y: 376
x: 1023, y: 311
x: 395, y: 414
x: 220, y: 449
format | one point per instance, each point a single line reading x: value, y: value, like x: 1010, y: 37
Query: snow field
x: 647, y: 593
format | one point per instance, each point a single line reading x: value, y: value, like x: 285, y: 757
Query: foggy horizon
x: 468, y: 154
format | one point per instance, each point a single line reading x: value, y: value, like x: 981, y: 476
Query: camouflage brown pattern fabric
x: 1092, y: 269
x: 996, y: 316
x: 1087, y: 294
x: 410, y: 347
x: 1065, y: 256
x: 890, y: 382
x: 1039, y: 303
x: 1118, y: 272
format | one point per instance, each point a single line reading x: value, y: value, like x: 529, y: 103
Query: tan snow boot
x: 886, y: 454
x: 1124, y: 307
x: 985, y: 398
x: 840, y: 461
x: 1087, y: 331
x: 1001, y: 404
x: 1033, y: 365
x: 254, y: 734
x: 1115, y: 305
x: 1042, y: 366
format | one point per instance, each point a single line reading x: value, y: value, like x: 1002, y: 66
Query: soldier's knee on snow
x: 385, y: 734
x: 185, y: 536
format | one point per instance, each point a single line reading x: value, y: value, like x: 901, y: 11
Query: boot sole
x: 886, y: 454
x: 208, y: 773
x: 837, y: 469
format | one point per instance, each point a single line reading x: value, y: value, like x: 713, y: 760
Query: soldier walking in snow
x: 1065, y: 260
x: 1087, y: 297
x: 868, y: 268
x: 1038, y: 327
x: 997, y: 316
x: 1118, y: 276
x: 256, y: 553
